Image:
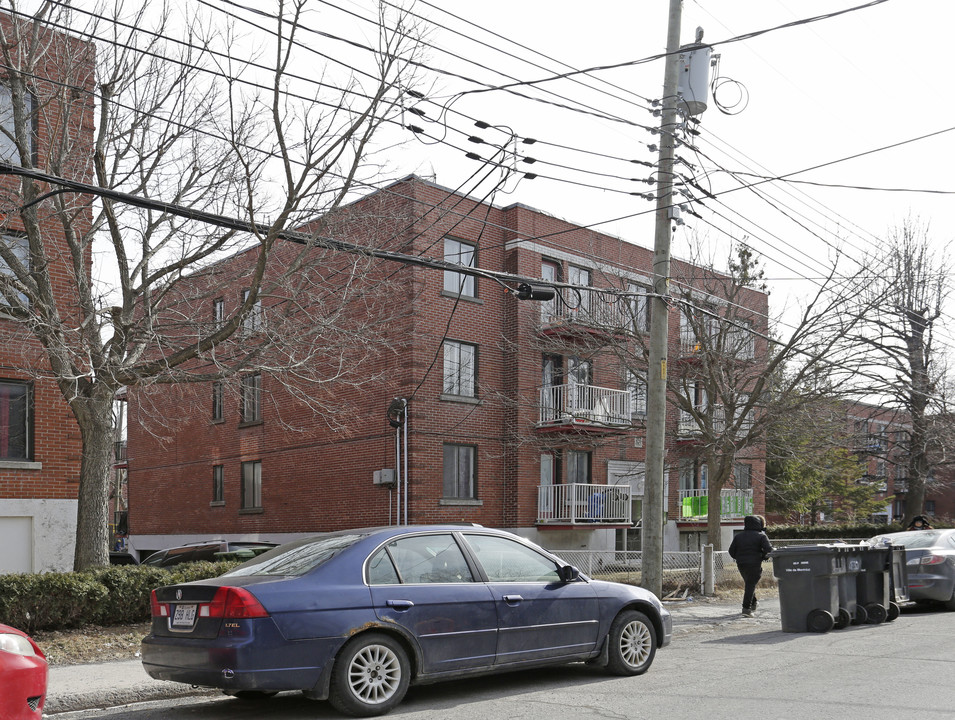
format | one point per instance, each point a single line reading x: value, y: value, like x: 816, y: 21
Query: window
x: 744, y: 476
x: 251, y: 410
x: 929, y: 507
x: 252, y: 485
x: 218, y: 484
x: 217, y: 408
x: 459, y: 253
x: 419, y: 559
x: 581, y: 277
x: 550, y: 273
x: 459, y: 472
x: 639, y: 307
x: 19, y: 246
x: 578, y: 467
x: 459, y: 368
x: 506, y: 560
x: 16, y: 421
x: 8, y: 148
x: 637, y: 385
x: 741, y: 339
x: 252, y: 322
x: 218, y: 312
x: 693, y: 475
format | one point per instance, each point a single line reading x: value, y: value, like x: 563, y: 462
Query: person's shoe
x: 747, y: 612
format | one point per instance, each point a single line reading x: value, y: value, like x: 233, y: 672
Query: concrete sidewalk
x: 101, y: 685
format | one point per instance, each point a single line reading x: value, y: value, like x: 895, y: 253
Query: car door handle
x: 400, y: 604
x: 513, y: 599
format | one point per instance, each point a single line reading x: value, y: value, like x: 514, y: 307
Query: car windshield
x: 296, y: 558
x: 911, y: 540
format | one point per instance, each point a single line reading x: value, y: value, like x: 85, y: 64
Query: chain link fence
x: 682, y: 571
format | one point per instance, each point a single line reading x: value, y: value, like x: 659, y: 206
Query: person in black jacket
x: 749, y: 548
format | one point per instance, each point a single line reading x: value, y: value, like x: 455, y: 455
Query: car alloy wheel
x: 633, y: 643
x: 371, y: 676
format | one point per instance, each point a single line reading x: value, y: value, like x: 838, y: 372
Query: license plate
x: 184, y: 616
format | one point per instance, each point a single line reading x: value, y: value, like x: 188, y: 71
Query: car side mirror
x: 568, y: 573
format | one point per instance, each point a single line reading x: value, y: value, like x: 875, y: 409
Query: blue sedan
x: 356, y: 616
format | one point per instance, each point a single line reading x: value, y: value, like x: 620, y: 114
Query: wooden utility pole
x: 653, y: 501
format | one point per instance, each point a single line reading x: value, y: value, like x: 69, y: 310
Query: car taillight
x: 929, y: 559
x: 233, y: 603
x: 157, y: 608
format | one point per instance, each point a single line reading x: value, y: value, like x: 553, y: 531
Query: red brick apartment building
x: 39, y: 439
x: 516, y: 414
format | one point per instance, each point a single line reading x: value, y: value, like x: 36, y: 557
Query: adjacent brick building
x: 39, y: 440
x: 524, y: 415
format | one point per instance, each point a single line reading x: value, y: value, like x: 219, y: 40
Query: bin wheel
x: 820, y: 621
x: 894, y: 611
x: 843, y: 618
x: 862, y: 616
x: 877, y: 613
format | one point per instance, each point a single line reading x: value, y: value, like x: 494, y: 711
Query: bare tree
x: 904, y: 298
x: 105, y: 294
x: 731, y: 381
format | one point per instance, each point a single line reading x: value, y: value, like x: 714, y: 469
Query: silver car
x: 930, y: 563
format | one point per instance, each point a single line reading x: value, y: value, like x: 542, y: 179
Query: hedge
x: 831, y: 532
x: 115, y: 595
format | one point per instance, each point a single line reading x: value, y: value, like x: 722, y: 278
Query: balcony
x: 688, y: 428
x: 574, y: 405
x: 581, y: 504
x: 591, y: 311
x: 734, y: 504
x: 119, y: 453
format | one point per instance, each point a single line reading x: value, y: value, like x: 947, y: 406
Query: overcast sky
x: 795, y: 98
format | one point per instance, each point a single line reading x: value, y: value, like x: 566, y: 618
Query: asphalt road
x: 723, y: 667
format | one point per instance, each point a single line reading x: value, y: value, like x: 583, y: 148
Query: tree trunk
x: 92, y: 512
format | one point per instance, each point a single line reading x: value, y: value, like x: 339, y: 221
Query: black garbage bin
x: 850, y: 608
x: 808, y: 577
x: 874, y: 583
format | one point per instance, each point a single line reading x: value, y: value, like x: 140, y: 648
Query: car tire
x: 632, y: 644
x: 370, y: 677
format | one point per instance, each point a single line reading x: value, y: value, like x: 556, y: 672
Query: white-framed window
x: 8, y: 146
x: 251, y: 405
x: 252, y: 322
x: 460, y: 364
x: 459, y: 252
x: 550, y: 273
x: 16, y: 420
x: 742, y: 340
x: 459, y: 472
x: 637, y: 386
x: 578, y: 466
x: 20, y: 247
x: 252, y: 484
x: 218, y: 312
x: 639, y: 307
x: 579, y: 300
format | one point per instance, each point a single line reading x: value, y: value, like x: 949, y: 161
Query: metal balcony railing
x: 571, y: 403
x: 733, y: 503
x: 591, y: 309
x: 584, y: 504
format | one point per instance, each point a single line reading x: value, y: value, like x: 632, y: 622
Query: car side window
x: 426, y: 559
x: 506, y: 560
x: 381, y: 571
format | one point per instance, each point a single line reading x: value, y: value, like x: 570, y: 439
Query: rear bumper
x: 927, y: 586
x: 229, y: 664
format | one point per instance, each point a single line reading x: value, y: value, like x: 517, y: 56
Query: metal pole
x: 654, y: 502
x: 405, y: 426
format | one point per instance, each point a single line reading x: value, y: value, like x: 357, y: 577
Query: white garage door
x: 16, y: 539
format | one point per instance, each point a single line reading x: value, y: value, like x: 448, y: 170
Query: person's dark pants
x: 751, y: 575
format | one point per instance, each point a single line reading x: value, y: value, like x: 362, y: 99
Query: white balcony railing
x: 581, y: 503
x: 587, y: 404
x: 733, y: 503
x: 590, y: 308
x: 688, y: 427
